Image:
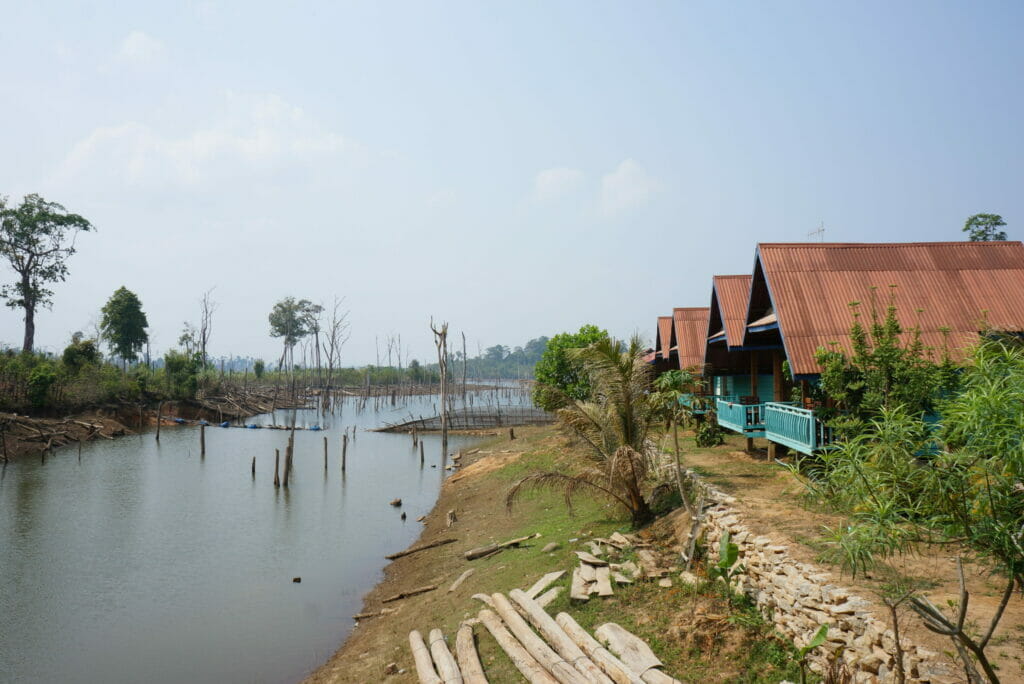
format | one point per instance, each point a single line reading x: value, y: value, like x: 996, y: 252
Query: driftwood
x: 543, y: 583
x: 612, y: 666
x: 491, y: 549
x: 462, y: 578
x: 407, y: 594
x: 544, y: 654
x: 380, y: 613
x: 444, y: 661
x: 524, y: 662
x: 485, y: 599
x: 559, y: 640
x: 469, y: 660
x: 421, y: 656
x: 422, y: 547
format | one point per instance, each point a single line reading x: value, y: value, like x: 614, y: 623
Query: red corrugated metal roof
x: 962, y: 286
x: 664, y: 341
x: 733, y: 293
x: 690, y: 334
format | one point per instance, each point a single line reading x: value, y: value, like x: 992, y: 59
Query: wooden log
x: 421, y: 656
x: 578, y: 588
x: 545, y: 599
x: 407, y: 594
x: 604, y: 581
x: 421, y: 454
x: 202, y: 440
x: 254, y: 466
x: 520, y: 657
x: 562, y: 671
x: 159, y: 413
x: 612, y: 666
x: 631, y: 650
x: 445, y: 662
x: 325, y: 454
x: 483, y: 551
x: 462, y: 578
x: 372, y: 614
x: 558, y: 639
x: 469, y: 659
x: 543, y: 583
x: 277, y: 461
x: 485, y: 599
x: 421, y: 547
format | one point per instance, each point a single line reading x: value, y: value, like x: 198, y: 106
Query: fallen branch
x: 407, y: 594
x: 483, y: 551
x: 423, y: 547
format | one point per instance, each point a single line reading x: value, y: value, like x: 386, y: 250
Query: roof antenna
x: 820, y: 232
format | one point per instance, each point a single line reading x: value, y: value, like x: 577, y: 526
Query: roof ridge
x: 891, y: 245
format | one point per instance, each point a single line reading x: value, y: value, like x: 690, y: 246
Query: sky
x: 517, y: 169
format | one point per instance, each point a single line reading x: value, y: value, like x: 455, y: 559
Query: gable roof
x: 730, y: 293
x: 663, y: 342
x: 962, y: 286
x: 689, y: 334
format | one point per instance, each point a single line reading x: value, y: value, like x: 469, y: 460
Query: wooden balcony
x: 797, y: 428
x: 747, y: 419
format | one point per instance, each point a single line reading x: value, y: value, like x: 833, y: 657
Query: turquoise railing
x: 797, y: 428
x: 747, y: 419
x: 700, y: 404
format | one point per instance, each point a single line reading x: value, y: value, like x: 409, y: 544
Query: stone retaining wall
x: 799, y: 598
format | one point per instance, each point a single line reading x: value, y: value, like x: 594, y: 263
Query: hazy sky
x: 516, y: 168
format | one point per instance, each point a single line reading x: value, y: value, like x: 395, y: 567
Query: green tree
x: 614, y: 426
x: 124, y: 325
x: 560, y: 378
x: 985, y: 228
x: 36, y: 239
x: 182, y: 373
x: 289, y: 320
x: 257, y: 367
x: 903, y: 482
x: 80, y: 353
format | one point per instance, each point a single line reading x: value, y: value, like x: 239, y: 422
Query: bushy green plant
x: 726, y: 568
x: 562, y: 379
x: 80, y: 353
x: 883, y: 371
x: 708, y: 433
x: 40, y: 380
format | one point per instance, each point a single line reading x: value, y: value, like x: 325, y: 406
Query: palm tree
x: 670, y: 388
x: 614, y: 426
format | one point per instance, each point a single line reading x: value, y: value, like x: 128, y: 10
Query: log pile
x: 22, y: 434
x: 545, y: 649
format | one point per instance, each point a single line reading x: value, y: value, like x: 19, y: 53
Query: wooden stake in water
x: 254, y: 467
x: 159, y: 412
x: 202, y: 439
x: 277, y: 461
x: 421, y: 454
x: 325, y: 454
x: 344, y: 450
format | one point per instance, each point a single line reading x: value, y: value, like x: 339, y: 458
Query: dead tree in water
x: 441, y: 342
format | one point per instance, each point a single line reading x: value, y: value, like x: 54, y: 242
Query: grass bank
x: 693, y: 629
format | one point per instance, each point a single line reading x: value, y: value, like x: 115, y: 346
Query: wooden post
x: 79, y: 451
x: 778, y: 392
x: 325, y: 454
x: 277, y: 461
x: 202, y: 440
x: 753, y: 392
x: 254, y: 467
x: 421, y: 454
x: 159, y: 414
x: 344, y: 450
x: 287, y: 464
x: 511, y: 433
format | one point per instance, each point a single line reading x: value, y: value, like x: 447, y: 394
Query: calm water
x: 145, y: 562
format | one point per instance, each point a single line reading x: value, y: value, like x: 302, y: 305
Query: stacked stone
x: 799, y: 598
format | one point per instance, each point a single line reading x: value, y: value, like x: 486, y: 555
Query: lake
x: 146, y: 562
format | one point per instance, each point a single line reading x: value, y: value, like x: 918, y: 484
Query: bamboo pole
x: 559, y: 640
x: 562, y: 671
x: 611, y: 665
x: 469, y: 660
x: 520, y: 657
x: 421, y: 656
x: 443, y: 659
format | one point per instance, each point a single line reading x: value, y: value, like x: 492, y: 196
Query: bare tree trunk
x: 464, y: 361
x: 30, y: 314
x: 441, y: 341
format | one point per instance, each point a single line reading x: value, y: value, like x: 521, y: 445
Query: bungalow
x: 800, y: 298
